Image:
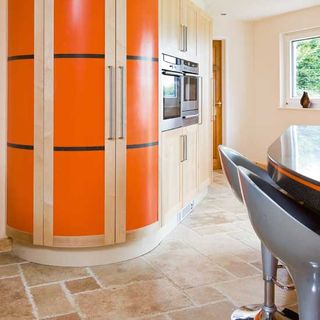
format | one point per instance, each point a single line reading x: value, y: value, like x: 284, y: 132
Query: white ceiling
x: 253, y: 9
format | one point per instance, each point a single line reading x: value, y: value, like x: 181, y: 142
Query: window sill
x: 300, y: 108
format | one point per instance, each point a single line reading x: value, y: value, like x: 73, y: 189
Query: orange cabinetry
x: 82, y: 120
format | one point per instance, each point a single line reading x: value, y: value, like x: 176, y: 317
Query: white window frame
x: 287, y: 67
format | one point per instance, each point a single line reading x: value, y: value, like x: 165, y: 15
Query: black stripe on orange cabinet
x: 142, y: 113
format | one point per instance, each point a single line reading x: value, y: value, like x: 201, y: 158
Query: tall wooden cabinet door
x: 171, y: 168
x: 190, y: 164
x: 191, y: 12
x: 170, y: 27
x: 205, y: 136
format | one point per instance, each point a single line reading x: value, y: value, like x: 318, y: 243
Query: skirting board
x: 138, y: 243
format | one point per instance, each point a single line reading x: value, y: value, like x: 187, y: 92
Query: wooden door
x: 171, y: 157
x: 218, y: 101
x: 170, y: 26
x: 190, y: 163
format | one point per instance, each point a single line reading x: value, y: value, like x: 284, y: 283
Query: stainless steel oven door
x: 190, y: 89
x: 171, y: 91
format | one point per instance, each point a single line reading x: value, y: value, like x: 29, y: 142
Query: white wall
x: 269, y: 120
x: 253, y: 118
x: 238, y: 100
x: 3, y: 101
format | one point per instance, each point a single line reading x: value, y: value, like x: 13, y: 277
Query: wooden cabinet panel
x: 171, y: 172
x: 205, y: 127
x: 171, y: 26
x: 190, y: 164
x: 191, y: 12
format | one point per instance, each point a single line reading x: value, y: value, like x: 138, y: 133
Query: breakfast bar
x: 293, y: 163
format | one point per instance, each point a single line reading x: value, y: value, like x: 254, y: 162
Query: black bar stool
x: 291, y: 232
x: 230, y: 160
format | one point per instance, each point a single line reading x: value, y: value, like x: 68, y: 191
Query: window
x: 301, y: 61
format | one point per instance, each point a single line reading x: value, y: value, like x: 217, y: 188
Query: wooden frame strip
x: 110, y: 142
x: 121, y: 150
x: 3, y: 114
x: 38, y: 122
x: 48, y: 120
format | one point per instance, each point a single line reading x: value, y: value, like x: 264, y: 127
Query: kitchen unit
x: 86, y: 173
x: 186, y: 151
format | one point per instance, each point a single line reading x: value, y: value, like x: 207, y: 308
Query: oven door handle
x: 169, y: 73
x: 191, y: 116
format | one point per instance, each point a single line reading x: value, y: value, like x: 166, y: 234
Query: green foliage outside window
x: 307, y: 54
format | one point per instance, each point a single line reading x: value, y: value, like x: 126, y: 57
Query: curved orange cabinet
x: 64, y: 76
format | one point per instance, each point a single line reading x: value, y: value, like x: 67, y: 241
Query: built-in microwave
x: 180, y: 91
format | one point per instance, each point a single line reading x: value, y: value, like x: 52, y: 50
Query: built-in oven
x: 171, y: 80
x: 190, y: 92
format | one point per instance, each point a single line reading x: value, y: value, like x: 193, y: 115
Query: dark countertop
x: 297, y: 151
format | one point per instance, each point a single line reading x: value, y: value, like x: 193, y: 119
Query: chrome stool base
x: 255, y: 312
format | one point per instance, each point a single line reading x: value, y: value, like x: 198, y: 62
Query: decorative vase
x: 305, y: 100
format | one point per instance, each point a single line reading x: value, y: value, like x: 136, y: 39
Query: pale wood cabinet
x: 190, y: 164
x: 171, y: 157
x: 186, y: 153
x: 179, y: 166
x: 179, y: 28
x: 204, y: 30
x: 171, y: 27
x: 189, y: 22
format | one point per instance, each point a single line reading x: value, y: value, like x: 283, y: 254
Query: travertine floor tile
x: 204, y: 295
x: 7, y: 271
x: 51, y: 300
x: 238, y: 267
x: 216, y: 228
x: 82, y: 285
x: 221, y: 246
x: 182, y: 266
x: 71, y: 316
x: 36, y: 274
x: 8, y: 258
x: 134, y: 300
x: 230, y: 204
x: 217, y: 311
x: 14, y: 303
x: 243, y: 291
x: 159, y: 317
x: 126, y: 272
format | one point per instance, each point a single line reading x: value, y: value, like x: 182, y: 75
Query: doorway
x: 217, y: 51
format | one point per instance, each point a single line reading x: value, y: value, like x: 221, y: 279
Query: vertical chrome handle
x: 181, y: 148
x: 186, y: 38
x: 122, y: 102
x: 110, y: 102
x: 201, y: 99
x: 181, y: 37
x: 185, y: 148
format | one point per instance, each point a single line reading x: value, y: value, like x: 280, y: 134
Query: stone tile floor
x: 204, y: 269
